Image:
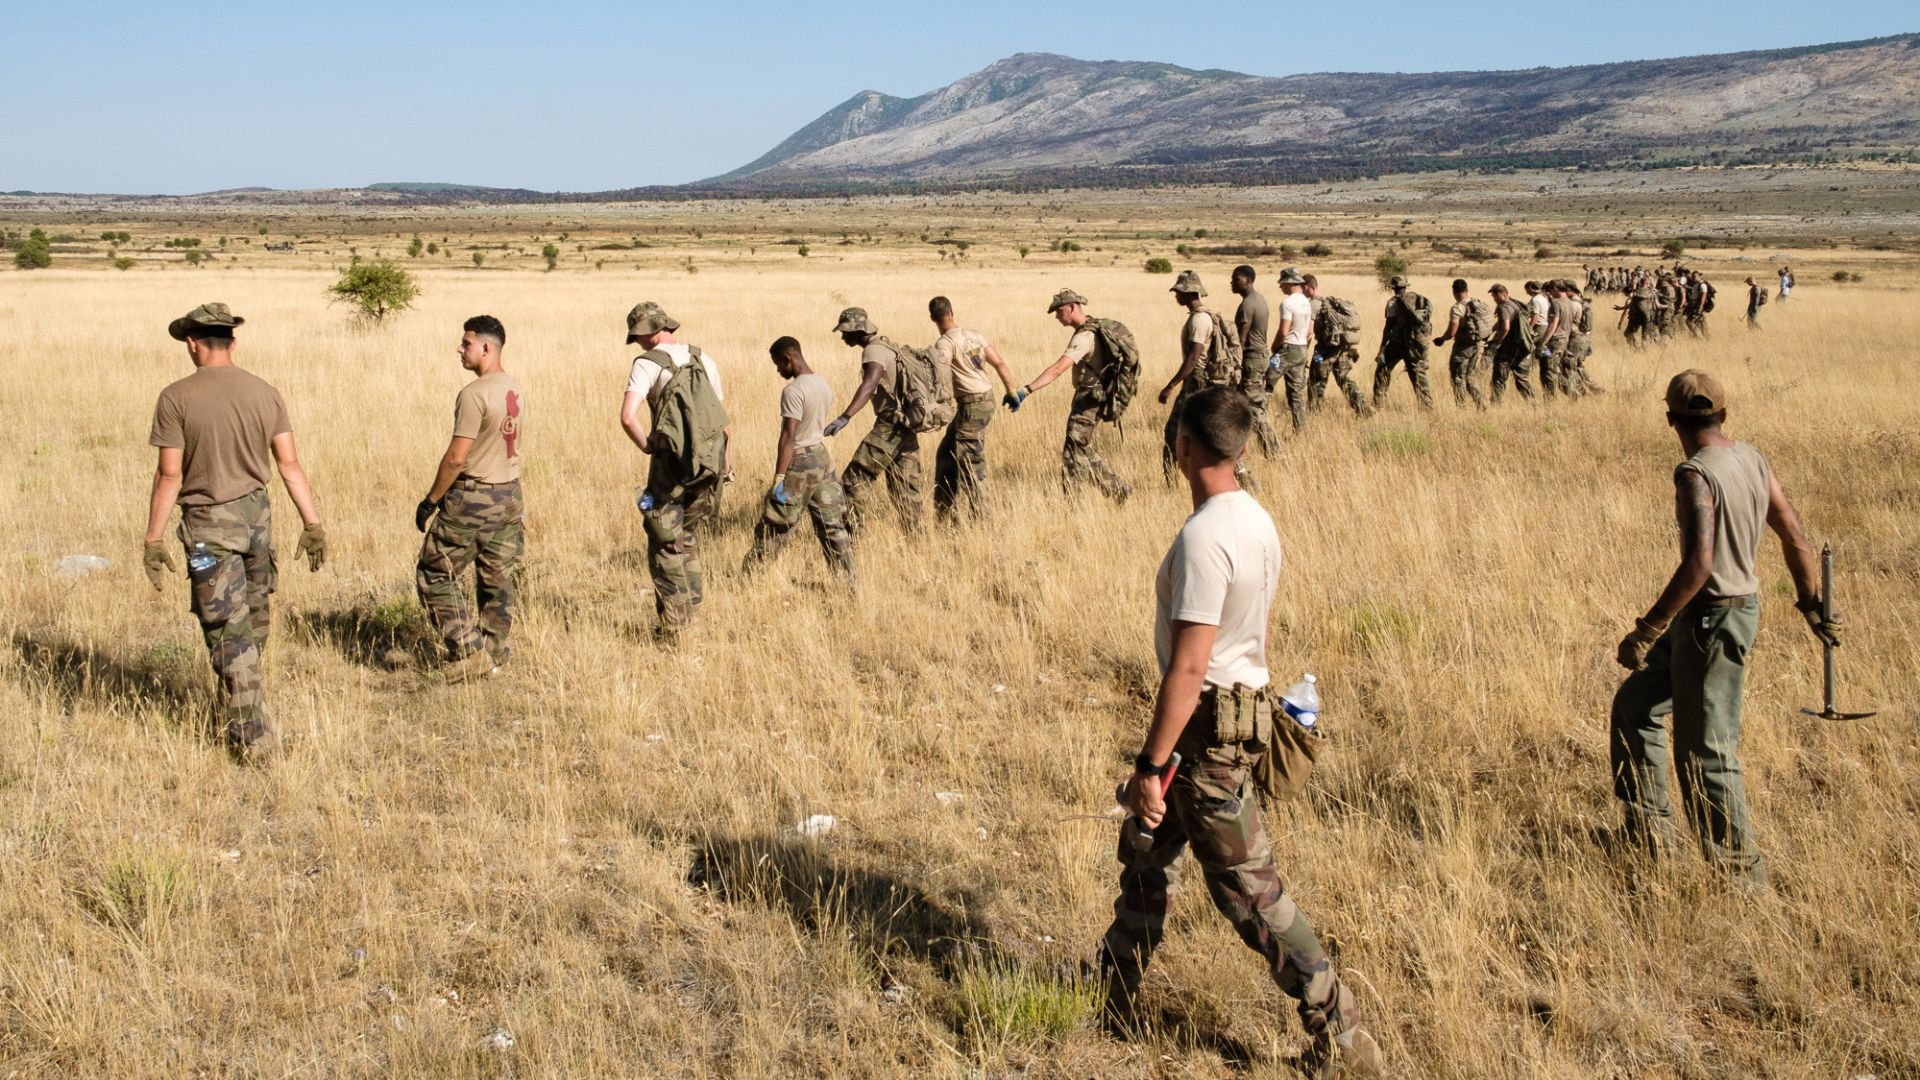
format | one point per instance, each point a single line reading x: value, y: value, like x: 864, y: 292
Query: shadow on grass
x: 170, y: 677
x: 384, y: 633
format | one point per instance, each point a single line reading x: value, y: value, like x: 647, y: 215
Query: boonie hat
x: 1396, y: 283
x: 1188, y: 282
x: 206, y: 316
x: 1695, y: 393
x: 647, y: 318
x: 854, y: 321
x: 1063, y: 298
x: 1290, y: 276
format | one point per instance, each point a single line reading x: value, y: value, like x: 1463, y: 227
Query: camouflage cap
x: 1063, y: 298
x: 1397, y: 282
x: 1291, y: 276
x: 206, y: 316
x: 1533, y: 286
x: 1695, y: 393
x: 854, y: 321
x: 1497, y: 288
x: 648, y: 318
x: 1188, y: 282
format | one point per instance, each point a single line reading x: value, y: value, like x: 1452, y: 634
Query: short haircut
x: 939, y: 308
x: 1698, y: 423
x: 1219, y: 419
x: 1459, y: 284
x: 1245, y: 271
x: 783, y: 345
x: 1309, y: 279
x: 486, y: 326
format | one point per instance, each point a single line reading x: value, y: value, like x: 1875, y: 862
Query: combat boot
x: 477, y: 664
x: 1350, y: 1055
x: 252, y: 742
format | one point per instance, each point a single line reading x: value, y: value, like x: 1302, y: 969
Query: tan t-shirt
x: 966, y: 352
x: 1742, y: 484
x: 884, y: 405
x: 1090, y: 357
x: 808, y: 399
x: 1568, y: 313
x: 1252, y: 319
x: 492, y: 412
x: 1221, y: 571
x: 223, y: 421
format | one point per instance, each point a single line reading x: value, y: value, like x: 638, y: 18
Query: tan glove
x: 313, y: 544
x: 1826, y: 629
x: 1633, y: 650
x: 157, y: 559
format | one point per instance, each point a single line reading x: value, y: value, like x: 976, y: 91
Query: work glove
x: 157, y: 560
x: 1015, y: 399
x: 1826, y: 629
x: 839, y: 424
x: 779, y: 492
x: 1633, y: 650
x: 1165, y: 394
x: 1441, y: 340
x: 313, y: 544
x: 424, y: 513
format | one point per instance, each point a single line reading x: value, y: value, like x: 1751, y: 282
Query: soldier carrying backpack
x: 1106, y: 376
x: 1209, y: 356
x: 1403, y: 341
x: 688, y: 441
x: 1336, y: 347
x: 1468, y: 324
x: 911, y: 395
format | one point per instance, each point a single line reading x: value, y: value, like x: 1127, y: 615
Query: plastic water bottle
x: 200, y: 561
x: 1302, y: 701
x: 645, y: 501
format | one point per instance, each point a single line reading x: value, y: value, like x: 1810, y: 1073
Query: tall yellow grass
x: 588, y: 851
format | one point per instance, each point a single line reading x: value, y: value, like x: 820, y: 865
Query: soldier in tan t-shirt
x: 1196, y: 335
x: 960, y: 464
x: 476, y: 494
x: 891, y: 449
x: 1088, y: 356
x: 219, y: 433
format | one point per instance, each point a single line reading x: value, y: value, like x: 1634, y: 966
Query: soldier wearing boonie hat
x: 1293, y: 346
x: 1687, y: 656
x: 220, y: 433
x: 1197, y: 349
x: 1403, y: 342
x: 1091, y: 356
x: 892, y: 448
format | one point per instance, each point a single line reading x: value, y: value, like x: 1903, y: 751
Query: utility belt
x: 1233, y: 716
x: 1747, y: 601
x: 467, y: 484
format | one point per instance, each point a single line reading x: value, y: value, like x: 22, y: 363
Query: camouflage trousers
x: 1695, y: 674
x: 480, y: 526
x: 1338, y: 367
x: 232, y: 576
x: 1172, y: 431
x: 1463, y: 369
x: 892, y: 451
x: 1214, y: 808
x: 1516, y: 362
x: 1579, y: 347
x: 673, y: 551
x: 960, y: 463
x: 813, y: 491
x: 1079, y: 461
x: 1553, y: 363
x: 1413, y: 356
x: 1296, y: 365
x: 1253, y: 383
x: 1639, y: 327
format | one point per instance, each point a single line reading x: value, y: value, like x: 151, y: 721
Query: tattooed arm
x: 1693, y: 506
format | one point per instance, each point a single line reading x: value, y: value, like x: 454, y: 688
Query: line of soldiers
x: 1657, y: 303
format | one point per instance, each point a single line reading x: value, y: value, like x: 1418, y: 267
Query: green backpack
x: 922, y: 389
x: 690, y: 429
x: 1477, y: 323
x: 1120, y: 378
x: 1221, y: 366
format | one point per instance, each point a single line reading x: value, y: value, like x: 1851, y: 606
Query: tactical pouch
x: 1282, y: 772
x: 1241, y: 715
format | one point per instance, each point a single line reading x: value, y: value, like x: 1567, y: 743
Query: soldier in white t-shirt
x: 1214, y: 593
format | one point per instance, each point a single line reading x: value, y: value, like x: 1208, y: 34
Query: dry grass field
x: 593, y: 851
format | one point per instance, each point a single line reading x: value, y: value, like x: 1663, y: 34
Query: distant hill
x: 1038, y: 117
x: 453, y: 190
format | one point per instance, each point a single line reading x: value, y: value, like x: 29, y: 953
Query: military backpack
x: 1120, y: 377
x: 1338, y: 327
x: 1221, y: 366
x: 1477, y: 323
x: 922, y: 389
x: 1412, y: 316
x: 1706, y: 304
x: 689, y: 430
x: 1585, y: 325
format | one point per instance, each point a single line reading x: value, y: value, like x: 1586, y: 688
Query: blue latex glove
x: 1014, y: 400
x: 1319, y: 358
x: 779, y: 493
x: 1273, y: 362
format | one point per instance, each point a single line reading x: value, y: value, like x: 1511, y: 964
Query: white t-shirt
x: 650, y: 378
x: 1541, y: 305
x: 1221, y: 571
x: 1298, y: 308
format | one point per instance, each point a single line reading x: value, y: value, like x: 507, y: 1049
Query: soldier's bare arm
x: 1196, y: 352
x: 1801, y: 562
x: 783, y: 449
x: 869, y: 382
x: 1054, y: 371
x: 166, y: 492
x: 1502, y: 328
x: 1179, y: 696
x: 1280, y: 339
x: 992, y: 356
x: 294, y: 477
x: 451, y: 463
x: 1693, y: 507
x: 630, y: 421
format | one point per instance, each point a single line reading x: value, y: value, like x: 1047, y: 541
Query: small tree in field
x: 375, y: 289
x: 1387, y: 266
x: 478, y: 258
x: 552, y: 255
x: 34, y: 254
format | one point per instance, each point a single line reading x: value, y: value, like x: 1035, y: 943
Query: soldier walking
x: 1215, y: 592
x: 960, y: 463
x: 1580, y: 344
x: 1336, y: 346
x: 1466, y: 327
x: 1196, y: 340
x: 1403, y: 341
x: 1293, y: 344
x: 1094, y: 361
x: 1512, y: 345
x: 673, y: 504
x: 803, y: 476
x: 1250, y: 320
x: 892, y: 448
x: 1553, y: 340
x: 1688, y: 655
x: 476, y: 509
x: 1756, y: 299
x: 220, y: 433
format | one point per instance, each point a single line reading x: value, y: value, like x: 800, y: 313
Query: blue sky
x: 579, y: 96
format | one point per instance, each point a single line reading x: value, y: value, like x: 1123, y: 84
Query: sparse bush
x: 1159, y: 266
x: 804, y: 250
x: 1543, y: 252
x: 479, y: 257
x: 33, y: 255
x: 376, y: 289
x: 433, y: 249
x: 1183, y: 251
x: 1023, y: 249
x: 414, y: 249
x: 1673, y: 249
x: 1389, y: 264
x: 1316, y: 250
x: 123, y: 263
x: 193, y: 256
x: 135, y: 888
x: 1842, y: 277
x: 1004, y: 1004
x: 551, y: 254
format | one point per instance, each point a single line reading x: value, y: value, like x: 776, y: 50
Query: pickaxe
x: 1826, y: 612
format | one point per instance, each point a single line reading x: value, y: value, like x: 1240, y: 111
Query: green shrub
x: 1004, y: 1004
x: 551, y: 254
x: 1673, y: 249
x: 33, y: 255
x: 135, y: 888
x: 123, y: 263
x: 1159, y: 266
x: 377, y: 289
x: 1316, y: 250
x: 1390, y: 264
x: 804, y: 250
